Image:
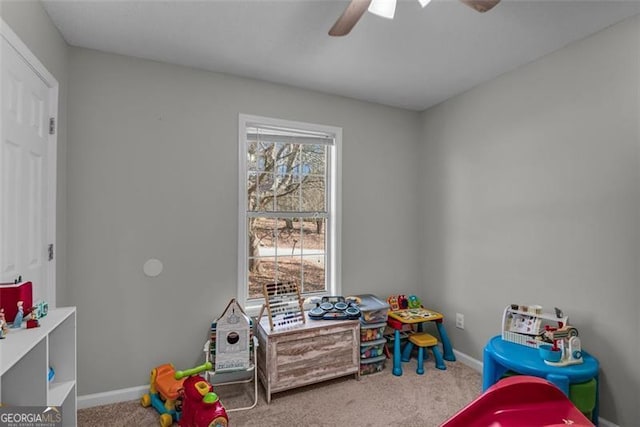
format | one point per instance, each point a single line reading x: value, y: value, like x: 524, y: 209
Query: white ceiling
x: 417, y: 60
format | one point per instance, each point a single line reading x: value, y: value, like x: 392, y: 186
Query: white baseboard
x: 476, y: 365
x: 114, y: 396
x: 465, y: 359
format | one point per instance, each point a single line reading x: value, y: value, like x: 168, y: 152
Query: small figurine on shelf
x: 37, y: 312
x: 17, y: 322
x: 3, y: 325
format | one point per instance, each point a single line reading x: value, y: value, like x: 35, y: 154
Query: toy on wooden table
x: 189, y: 401
x: 414, y: 302
x: 402, y: 302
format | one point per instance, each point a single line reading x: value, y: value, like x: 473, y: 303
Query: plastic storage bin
x: 372, y: 349
x: 373, y: 309
x: 371, y: 366
x: 372, y: 332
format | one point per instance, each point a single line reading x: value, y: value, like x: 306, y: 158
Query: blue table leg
x: 397, y: 364
x: 488, y: 370
x: 446, y: 344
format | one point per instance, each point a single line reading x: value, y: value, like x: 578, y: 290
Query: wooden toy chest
x: 316, y: 351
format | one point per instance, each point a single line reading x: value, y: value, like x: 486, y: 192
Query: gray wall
x: 31, y: 23
x: 153, y: 172
x: 530, y: 193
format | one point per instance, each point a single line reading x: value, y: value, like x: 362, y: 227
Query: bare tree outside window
x: 287, y: 211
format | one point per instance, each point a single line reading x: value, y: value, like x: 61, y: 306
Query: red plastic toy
x: 517, y: 401
x: 201, y: 407
x: 184, y: 396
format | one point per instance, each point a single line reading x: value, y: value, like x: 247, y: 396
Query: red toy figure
x: 201, y: 407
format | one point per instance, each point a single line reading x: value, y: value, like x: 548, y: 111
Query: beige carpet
x: 376, y: 400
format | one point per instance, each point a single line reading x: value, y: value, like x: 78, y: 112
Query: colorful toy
x: 526, y: 325
x: 414, y: 302
x: 3, y: 325
x: 37, y: 312
x: 17, y: 321
x: 529, y: 326
x: 566, y: 348
x: 517, y: 401
x: 424, y: 342
x: 232, y: 339
x: 393, y: 302
x: 201, y: 407
x: 189, y: 401
x: 164, y: 391
x: 402, y: 302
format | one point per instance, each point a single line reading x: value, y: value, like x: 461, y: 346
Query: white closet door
x: 24, y: 133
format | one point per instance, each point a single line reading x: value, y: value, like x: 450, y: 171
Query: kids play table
x: 501, y: 356
x: 398, y: 318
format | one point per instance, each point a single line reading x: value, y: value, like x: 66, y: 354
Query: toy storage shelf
x: 27, y: 355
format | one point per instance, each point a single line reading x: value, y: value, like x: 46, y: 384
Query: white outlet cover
x: 153, y: 267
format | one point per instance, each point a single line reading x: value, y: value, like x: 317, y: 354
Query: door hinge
x: 50, y: 251
x: 52, y: 125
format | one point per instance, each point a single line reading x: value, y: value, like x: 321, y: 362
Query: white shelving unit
x: 25, y: 357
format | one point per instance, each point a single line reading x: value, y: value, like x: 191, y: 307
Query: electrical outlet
x: 459, y: 320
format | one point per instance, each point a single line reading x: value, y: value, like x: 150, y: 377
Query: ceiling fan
x: 386, y: 9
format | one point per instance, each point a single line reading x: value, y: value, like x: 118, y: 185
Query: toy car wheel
x: 166, y: 420
x: 577, y: 354
x: 145, y: 400
x: 218, y: 422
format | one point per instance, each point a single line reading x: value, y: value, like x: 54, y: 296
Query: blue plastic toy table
x: 501, y: 356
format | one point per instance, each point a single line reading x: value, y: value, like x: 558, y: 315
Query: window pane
x: 261, y: 271
x: 265, y: 193
x: 289, y: 239
x: 261, y: 237
x: 289, y: 269
x: 288, y: 196
x: 313, y: 159
x: 313, y: 194
x: 287, y: 157
x: 252, y: 191
x: 313, y: 268
x: 313, y: 254
x: 286, y: 250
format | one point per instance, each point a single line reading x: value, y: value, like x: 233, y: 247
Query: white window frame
x: 334, y: 199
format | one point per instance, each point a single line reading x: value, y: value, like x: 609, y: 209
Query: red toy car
x: 201, y: 407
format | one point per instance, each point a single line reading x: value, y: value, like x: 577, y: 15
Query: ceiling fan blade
x: 481, y: 5
x: 349, y: 17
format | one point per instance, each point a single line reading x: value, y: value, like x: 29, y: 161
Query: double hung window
x: 289, y: 213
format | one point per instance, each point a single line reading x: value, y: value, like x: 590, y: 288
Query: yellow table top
x: 415, y: 315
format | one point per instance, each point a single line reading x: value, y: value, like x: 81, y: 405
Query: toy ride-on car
x: 185, y: 397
